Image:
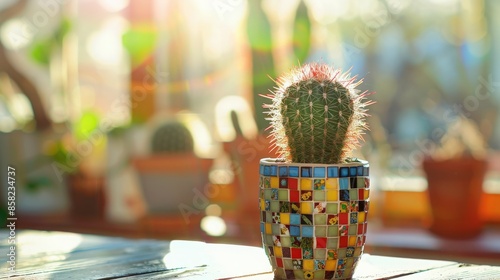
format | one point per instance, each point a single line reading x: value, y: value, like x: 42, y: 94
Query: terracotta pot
x: 454, y: 188
x: 313, y: 217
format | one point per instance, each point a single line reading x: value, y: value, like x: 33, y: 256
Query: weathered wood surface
x: 58, y: 255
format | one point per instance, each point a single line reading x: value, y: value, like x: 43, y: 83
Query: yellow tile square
x: 332, y: 195
x: 275, y: 182
x: 332, y: 184
x: 352, y: 240
x: 268, y: 228
x: 306, y: 207
x: 277, y: 252
x: 262, y: 205
x: 308, y: 264
x: 305, y: 184
x: 330, y: 264
x: 367, y: 194
x: 361, y: 217
x: 285, y: 218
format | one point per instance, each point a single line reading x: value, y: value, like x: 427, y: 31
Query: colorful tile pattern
x: 313, y: 220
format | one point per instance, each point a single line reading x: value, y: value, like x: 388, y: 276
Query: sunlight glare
x: 114, y: 5
x: 224, y: 126
x: 213, y: 226
x: 105, y: 45
x: 47, y: 243
x: 202, y: 139
x: 213, y: 210
x: 15, y: 34
x: 185, y: 254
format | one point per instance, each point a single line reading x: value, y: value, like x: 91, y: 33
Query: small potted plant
x: 455, y: 174
x: 314, y: 199
x: 78, y: 159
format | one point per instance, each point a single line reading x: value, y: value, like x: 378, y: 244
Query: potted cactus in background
x: 314, y: 200
x: 172, y: 174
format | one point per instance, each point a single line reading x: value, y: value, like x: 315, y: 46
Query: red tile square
x: 343, y: 241
x: 343, y: 218
x: 320, y: 242
x: 292, y: 183
x: 296, y: 253
x: 279, y: 262
x: 294, y: 196
x: 361, y: 194
x: 361, y: 228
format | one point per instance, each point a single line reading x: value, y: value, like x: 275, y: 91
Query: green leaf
x: 41, y: 51
x: 86, y: 125
x: 301, y: 33
x: 62, y: 30
x: 258, y: 28
x: 37, y: 183
x: 140, y: 41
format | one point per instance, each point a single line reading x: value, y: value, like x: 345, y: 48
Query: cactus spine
x: 317, y: 115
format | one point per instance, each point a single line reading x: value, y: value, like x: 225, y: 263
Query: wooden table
x: 60, y: 255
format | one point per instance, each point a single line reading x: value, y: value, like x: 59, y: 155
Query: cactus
x: 317, y: 115
x: 261, y: 45
x: 172, y: 137
x: 301, y: 33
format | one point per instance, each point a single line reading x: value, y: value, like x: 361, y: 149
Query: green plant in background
x: 260, y: 39
x: 63, y: 151
x: 301, y: 33
x: 41, y: 51
x: 172, y: 137
x: 140, y: 42
x: 317, y: 115
x: 261, y: 43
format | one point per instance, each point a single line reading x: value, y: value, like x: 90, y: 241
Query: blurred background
x: 143, y: 118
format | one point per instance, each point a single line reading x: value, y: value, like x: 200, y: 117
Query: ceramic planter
x: 313, y: 217
x: 455, y: 187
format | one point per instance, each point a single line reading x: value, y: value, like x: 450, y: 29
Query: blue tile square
x: 344, y: 172
x: 274, y: 170
x: 360, y: 170
x: 305, y: 171
x: 261, y: 170
x: 294, y: 231
x: 319, y: 172
x: 295, y: 219
x: 293, y: 171
x: 353, y: 171
x: 344, y: 183
x: 262, y: 226
x: 333, y: 172
x: 267, y: 170
x: 283, y: 171
x: 307, y: 231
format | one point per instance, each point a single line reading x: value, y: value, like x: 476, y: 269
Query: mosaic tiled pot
x: 313, y: 217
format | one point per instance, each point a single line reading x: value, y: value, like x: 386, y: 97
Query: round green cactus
x: 172, y: 137
x: 317, y: 115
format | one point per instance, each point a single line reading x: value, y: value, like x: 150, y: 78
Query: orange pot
x: 455, y: 187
